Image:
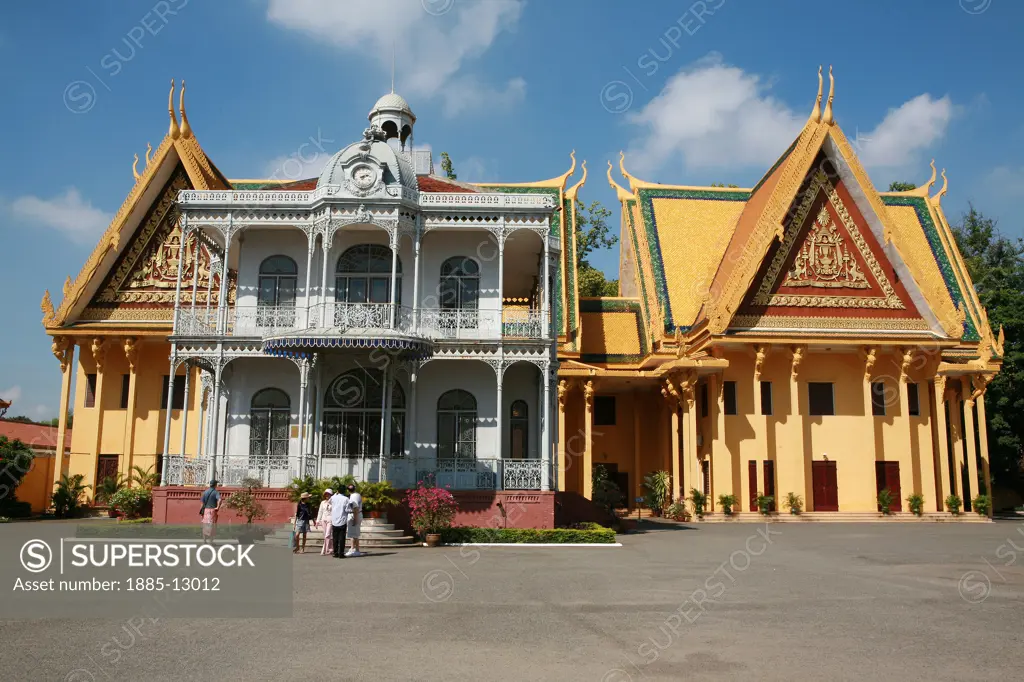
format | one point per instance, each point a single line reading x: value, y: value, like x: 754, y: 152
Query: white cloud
x: 477, y: 169
x: 1006, y: 180
x: 11, y: 394
x: 905, y: 132
x: 68, y: 213
x: 467, y: 94
x: 431, y: 47
x: 295, y: 167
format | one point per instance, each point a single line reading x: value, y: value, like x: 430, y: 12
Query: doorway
x: 825, y: 486
x: 106, y: 467
x: 887, y: 475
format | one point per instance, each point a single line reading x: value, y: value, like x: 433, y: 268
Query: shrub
x: 244, y: 501
x: 15, y: 461
x: 915, y: 503
x: 600, y: 535
x: 656, y: 486
x: 953, y: 503
x: 4, y: 519
x: 765, y: 503
x: 885, y: 501
x: 15, y: 509
x: 604, y: 493
x: 377, y: 496
x: 982, y: 505
x: 727, y: 502
x: 432, y: 509
x: 67, y: 498
x: 699, y: 501
x: 109, y: 487
x: 131, y: 501
x: 145, y: 478
x: 794, y: 503
x: 677, y: 512
x: 145, y: 519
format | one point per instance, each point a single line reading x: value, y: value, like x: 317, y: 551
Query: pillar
x: 131, y: 353
x: 410, y: 427
x: 99, y: 355
x: 545, y: 301
x: 310, y: 250
x: 759, y: 426
x: 983, y: 445
x: 389, y: 398
x: 588, y: 447
x: 545, y: 467
x: 796, y: 430
x: 501, y: 286
x: 215, y: 442
x: 64, y: 350
x: 721, y: 459
x: 908, y: 425
x: 498, y: 454
x: 956, y: 429
x: 691, y: 471
x: 167, y: 414
x: 970, y: 443
x: 393, y: 235
x: 416, y: 279
x: 638, y: 474
x: 201, y: 400
x: 678, y: 493
x: 184, y: 409
x: 303, y: 382
x: 563, y: 392
x: 326, y: 319
x: 939, y: 391
x: 222, y: 297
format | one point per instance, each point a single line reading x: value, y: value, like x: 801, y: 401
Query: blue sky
x: 695, y: 92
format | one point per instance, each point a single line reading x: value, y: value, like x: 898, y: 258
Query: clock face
x: 364, y: 177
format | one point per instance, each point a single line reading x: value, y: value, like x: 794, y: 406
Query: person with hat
x: 303, y: 514
x: 323, y: 521
x: 210, y: 505
x: 355, y: 519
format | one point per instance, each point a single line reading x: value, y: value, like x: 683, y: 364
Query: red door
x: 769, y: 482
x: 752, y: 479
x: 887, y: 475
x: 825, y: 486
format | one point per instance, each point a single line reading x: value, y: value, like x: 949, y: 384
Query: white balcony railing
x: 264, y: 321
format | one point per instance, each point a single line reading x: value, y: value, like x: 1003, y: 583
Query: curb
x: 532, y: 544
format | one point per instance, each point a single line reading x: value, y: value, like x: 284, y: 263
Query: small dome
x: 392, y: 102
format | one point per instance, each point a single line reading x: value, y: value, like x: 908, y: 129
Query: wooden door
x: 825, y: 487
x: 769, y: 483
x: 752, y: 481
x: 887, y: 475
x: 106, y: 467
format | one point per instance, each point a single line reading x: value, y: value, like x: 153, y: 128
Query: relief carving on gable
x: 824, y: 261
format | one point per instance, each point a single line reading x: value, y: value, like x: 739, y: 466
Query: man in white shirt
x: 339, y: 523
x: 355, y: 519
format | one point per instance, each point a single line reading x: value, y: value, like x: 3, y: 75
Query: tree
x: 447, y: 167
x: 720, y: 184
x: 593, y: 234
x: 15, y: 461
x: 898, y: 186
x: 996, y: 265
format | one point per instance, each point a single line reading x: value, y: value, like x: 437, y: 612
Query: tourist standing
x: 208, y: 511
x: 302, y: 516
x: 355, y: 519
x: 323, y: 521
x: 339, y: 523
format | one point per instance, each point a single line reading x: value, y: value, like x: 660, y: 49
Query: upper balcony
x: 470, y: 324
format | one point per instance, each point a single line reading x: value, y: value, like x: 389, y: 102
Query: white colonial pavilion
x: 378, y: 329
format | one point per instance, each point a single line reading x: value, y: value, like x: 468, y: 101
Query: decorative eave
x: 554, y: 183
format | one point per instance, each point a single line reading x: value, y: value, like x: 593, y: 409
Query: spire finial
x: 816, y: 112
x: 826, y: 117
x: 621, y: 193
x: 135, y: 169
x: 174, y: 132
x: 392, y: 67
x: 945, y: 186
x: 149, y: 150
x: 931, y: 180
x: 186, y: 129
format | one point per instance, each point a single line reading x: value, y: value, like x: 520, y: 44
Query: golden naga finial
x: 620, y: 193
x: 1000, y: 341
x: 135, y: 168
x: 625, y: 173
x: 931, y: 181
x: 46, y: 306
x: 816, y: 112
x: 149, y: 150
x: 67, y: 286
x: 945, y: 186
x: 575, y: 189
x: 174, y: 132
x: 186, y: 129
x: 826, y: 117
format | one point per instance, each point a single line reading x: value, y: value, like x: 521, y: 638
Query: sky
x: 693, y: 92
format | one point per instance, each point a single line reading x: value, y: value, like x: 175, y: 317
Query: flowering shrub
x: 131, y: 501
x: 432, y: 509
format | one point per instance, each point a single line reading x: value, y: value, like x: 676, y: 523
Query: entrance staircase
x: 376, y: 534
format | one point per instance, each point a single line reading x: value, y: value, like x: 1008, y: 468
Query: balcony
x: 269, y: 321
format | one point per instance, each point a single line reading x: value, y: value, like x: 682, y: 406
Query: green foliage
x: 677, y: 512
x: 765, y: 503
x: 915, y: 503
x: 605, y: 494
x: 16, y: 509
x: 727, y: 502
x: 131, y: 501
x: 377, y: 496
x: 953, y: 503
x: 699, y: 501
x: 656, y: 486
x: 794, y: 503
x: 720, y: 184
x: 67, y: 498
x: 109, y: 487
x: 898, y: 186
x: 592, y: 283
x: 146, y: 519
x: 15, y: 461
x: 244, y: 501
x: 145, y: 478
x: 996, y: 265
x: 533, y: 535
x: 982, y: 505
x: 593, y: 234
x: 447, y: 167
x: 885, y: 501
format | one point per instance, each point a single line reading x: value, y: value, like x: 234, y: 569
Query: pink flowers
x: 432, y: 509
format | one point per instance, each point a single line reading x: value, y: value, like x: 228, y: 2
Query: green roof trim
x: 947, y: 269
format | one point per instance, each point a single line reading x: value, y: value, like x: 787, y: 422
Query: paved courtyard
x: 707, y: 602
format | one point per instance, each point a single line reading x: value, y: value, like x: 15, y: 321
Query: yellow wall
x: 35, y: 487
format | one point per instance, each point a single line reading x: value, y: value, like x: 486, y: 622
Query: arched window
x: 279, y: 278
x: 363, y: 275
x: 456, y: 425
x: 269, y: 422
x: 352, y: 415
x: 519, y: 430
x: 460, y: 283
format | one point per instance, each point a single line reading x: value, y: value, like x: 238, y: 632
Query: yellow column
x: 563, y: 392
x: 940, y: 423
x: 64, y: 350
x: 759, y: 427
x: 958, y: 443
x: 588, y: 449
x: 971, y: 449
x: 638, y: 474
x: 796, y: 430
x: 99, y: 355
x: 131, y: 353
x: 983, y: 443
x: 691, y: 473
x: 677, y: 483
x: 904, y: 389
x: 721, y: 459
x: 870, y: 355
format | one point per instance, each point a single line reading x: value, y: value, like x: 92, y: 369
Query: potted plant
x: 765, y: 503
x: 794, y: 503
x: 885, y: 501
x: 656, y: 486
x: 432, y: 511
x: 915, y: 503
x: 727, y: 502
x: 982, y: 505
x: 106, y: 490
x: 699, y: 501
x: 677, y: 512
x: 377, y: 497
x: 953, y: 503
x: 67, y: 498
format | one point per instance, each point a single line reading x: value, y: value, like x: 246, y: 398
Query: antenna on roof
x: 392, y: 66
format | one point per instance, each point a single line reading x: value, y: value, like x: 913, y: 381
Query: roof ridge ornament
x: 186, y: 129
x: 816, y: 112
x: 135, y: 168
x: 633, y: 182
x: 826, y: 116
x: 621, y: 193
x: 575, y: 189
x: 149, y: 150
x: 945, y: 186
x: 174, y: 131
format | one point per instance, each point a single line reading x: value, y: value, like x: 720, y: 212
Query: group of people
x: 340, y: 516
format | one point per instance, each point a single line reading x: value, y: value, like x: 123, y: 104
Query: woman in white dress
x: 323, y: 521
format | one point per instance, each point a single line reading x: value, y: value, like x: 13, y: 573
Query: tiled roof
x: 612, y: 330
x: 35, y: 436
x: 432, y: 183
